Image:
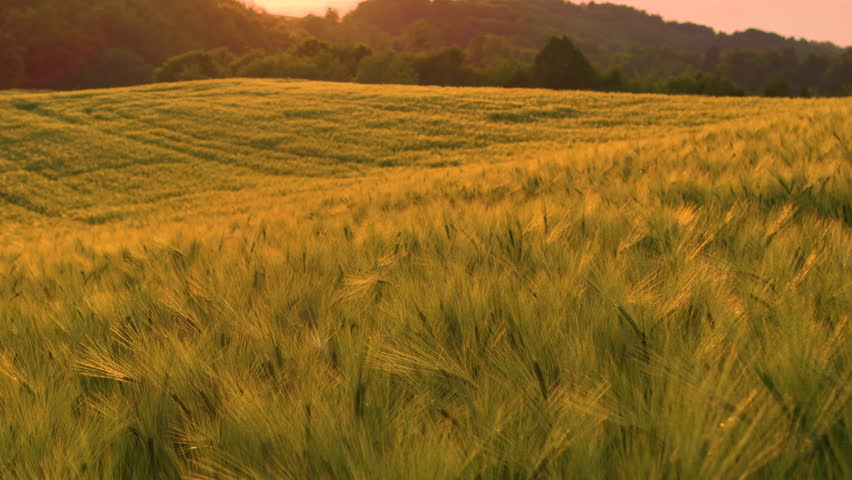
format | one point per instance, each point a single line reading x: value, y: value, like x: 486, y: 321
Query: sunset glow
x: 304, y: 7
x: 824, y: 20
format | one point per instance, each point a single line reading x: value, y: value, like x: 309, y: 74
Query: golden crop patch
x: 276, y: 279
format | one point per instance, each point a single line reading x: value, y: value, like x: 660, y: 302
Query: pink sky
x: 304, y: 7
x: 812, y: 19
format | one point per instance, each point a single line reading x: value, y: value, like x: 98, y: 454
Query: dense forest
x: 72, y: 44
x: 641, y: 46
x: 66, y: 44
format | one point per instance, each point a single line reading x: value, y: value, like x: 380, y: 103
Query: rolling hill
x: 599, y: 25
x: 96, y: 152
x: 282, y: 279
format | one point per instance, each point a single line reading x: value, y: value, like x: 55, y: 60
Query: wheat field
x: 276, y: 279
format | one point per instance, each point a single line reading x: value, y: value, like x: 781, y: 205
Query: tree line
x: 560, y: 64
x: 73, y: 44
x: 643, y: 48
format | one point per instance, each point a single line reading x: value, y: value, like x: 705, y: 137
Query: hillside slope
x: 530, y: 22
x: 72, y: 44
x: 258, y: 279
x: 95, y: 156
x: 640, y: 44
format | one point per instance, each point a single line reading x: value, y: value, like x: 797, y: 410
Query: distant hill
x: 74, y: 44
x: 638, y: 43
x: 531, y: 22
x: 57, y: 44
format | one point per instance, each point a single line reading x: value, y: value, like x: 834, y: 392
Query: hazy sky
x: 813, y: 19
x: 303, y: 7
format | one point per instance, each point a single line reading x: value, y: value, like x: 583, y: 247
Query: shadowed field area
x: 270, y: 279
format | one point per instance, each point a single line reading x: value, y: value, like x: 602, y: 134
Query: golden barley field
x: 277, y: 279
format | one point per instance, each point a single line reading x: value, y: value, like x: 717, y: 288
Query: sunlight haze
x: 305, y: 7
x: 824, y: 20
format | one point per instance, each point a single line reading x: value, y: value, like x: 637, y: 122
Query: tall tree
x: 562, y: 66
x: 445, y: 67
